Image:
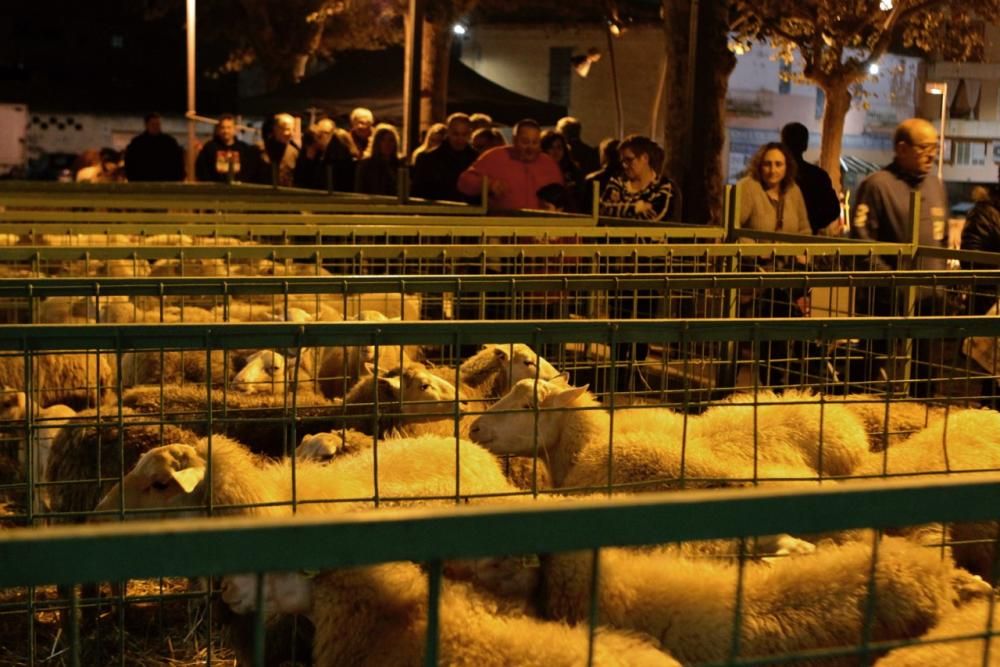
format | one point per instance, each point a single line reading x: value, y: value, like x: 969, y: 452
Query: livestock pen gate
x: 111, y: 625
x: 695, y: 364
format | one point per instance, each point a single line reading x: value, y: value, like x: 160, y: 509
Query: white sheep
x: 335, y: 368
x: 491, y: 372
x: 72, y: 378
x: 72, y: 471
x: 386, y: 607
x: 174, y: 476
x: 130, y: 312
x: 793, y: 604
x: 47, y: 422
x: 888, y: 421
x: 968, y: 619
x: 411, y: 401
x: 573, y: 433
x: 330, y: 444
x: 789, y: 429
x: 964, y: 442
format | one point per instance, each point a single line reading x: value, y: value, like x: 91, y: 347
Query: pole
x: 412, y: 56
x: 190, y: 89
x: 944, y: 115
x: 620, y: 125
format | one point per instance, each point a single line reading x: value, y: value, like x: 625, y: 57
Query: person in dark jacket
x: 586, y: 157
x: 822, y: 203
x: 377, y: 172
x: 225, y: 155
x: 436, y: 172
x: 153, y: 155
x: 982, y: 232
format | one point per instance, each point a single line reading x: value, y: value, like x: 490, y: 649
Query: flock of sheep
x: 226, y: 429
x: 505, y: 426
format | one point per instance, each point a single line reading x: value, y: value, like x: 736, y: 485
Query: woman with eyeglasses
x: 641, y: 192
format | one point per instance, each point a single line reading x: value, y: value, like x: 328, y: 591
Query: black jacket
x: 154, y: 157
x: 435, y: 175
x: 982, y: 232
x: 822, y: 203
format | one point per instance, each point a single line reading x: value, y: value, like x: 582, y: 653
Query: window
x: 969, y: 153
x: 559, y: 71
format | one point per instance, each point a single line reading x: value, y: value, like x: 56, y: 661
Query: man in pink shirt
x: 516, y: 173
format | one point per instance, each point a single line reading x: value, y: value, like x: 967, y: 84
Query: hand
x: 498, y: 188
x: 643, y: 206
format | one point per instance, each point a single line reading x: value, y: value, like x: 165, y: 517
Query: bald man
x: 882, y: 204
x: 882, y: 213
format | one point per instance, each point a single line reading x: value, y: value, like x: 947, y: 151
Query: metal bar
x: 183, y: 547
x: 226, y: 336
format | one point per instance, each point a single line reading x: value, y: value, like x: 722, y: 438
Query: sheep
x: 795, y: 604
x: 175, y: 366
x: 72, y: 471
x: 261, y: 421
x: 328, y: 445
x: 963, y: 442
x: 886, y: 428
x: 267, y: 371
x: 335, y: 368
x: 574, y: 439
x: 414, y: 469
x: 72, y: 378
x: 386, y: 608
x: 491, y: 372
x: 791, y: 428
x: 130, y: 312
x: 412, y: 400
x: 968, y: 619
x: 48, y: 422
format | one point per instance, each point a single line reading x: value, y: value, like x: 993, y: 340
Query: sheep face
x: 167, y: 476
x: 320, y: 446
x: 264, y: 369
x: 526, y: 364
x: 509, y: 426
x: 421, y: 392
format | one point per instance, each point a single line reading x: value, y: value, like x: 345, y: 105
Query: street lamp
x: 940, y: 88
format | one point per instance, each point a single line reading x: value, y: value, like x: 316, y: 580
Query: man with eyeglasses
x: 882, y: 204
x: 882, y: 213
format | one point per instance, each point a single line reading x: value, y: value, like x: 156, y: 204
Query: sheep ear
x: 369, y: 368
x: 392, y: 383
x: 569, y: 396
x: 188, y: 478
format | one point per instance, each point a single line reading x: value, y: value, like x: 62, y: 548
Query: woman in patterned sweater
x: 641, y: 193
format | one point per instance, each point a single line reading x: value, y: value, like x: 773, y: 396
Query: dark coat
x: 154, y: 157
x: 435, y: 175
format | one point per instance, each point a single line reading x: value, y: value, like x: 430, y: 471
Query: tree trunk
x: 434, y: 72
x: 697, y: 166
x: 838, y: 103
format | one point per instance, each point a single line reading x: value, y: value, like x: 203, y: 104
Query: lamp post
x: 940, y: 88
x: 190, y: 89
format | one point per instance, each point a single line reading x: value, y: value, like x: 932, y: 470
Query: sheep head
x: 420, y: 391
x: 265, y: 371
x: 509, y: 426
x: 13, y: 403
x: 527, y: 364
x: 167, y: 476
x: 320, y: 446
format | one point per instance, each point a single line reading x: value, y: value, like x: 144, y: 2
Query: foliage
x: 839, y: 39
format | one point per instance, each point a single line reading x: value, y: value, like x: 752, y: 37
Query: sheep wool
x: 174, y: 476
x: 969, y: 619
x: 390, y: 602
x: 71, y: 378
x: 796, y: 604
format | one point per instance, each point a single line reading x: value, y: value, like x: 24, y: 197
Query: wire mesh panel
x: 685, y: 583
